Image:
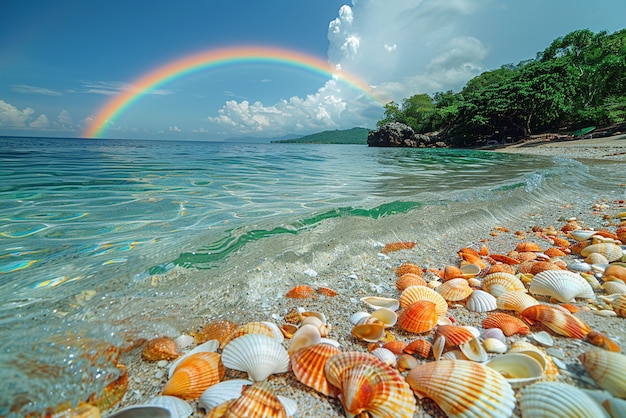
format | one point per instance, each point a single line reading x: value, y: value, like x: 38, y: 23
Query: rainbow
x: 211, y: 59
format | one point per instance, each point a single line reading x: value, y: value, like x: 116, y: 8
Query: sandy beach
x: 359, y: 268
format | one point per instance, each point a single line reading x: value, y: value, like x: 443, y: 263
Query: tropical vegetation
x: 577, y: 81
x: 347, y: 136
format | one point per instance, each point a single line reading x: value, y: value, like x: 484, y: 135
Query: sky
x: 62, y: 62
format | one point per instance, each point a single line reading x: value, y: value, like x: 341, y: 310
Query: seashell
x: 434, y: 284
x: 209, y: 346
x: 499, y: 283
x: 369, y: 331
x: 473, y: 257
x: 494, y: 345
x: 509, y: 325
x: 318, y: 323
x: 178, y: 408
x: 452, y: 272
x: 562, y: 285
x: 495, y: 333
x: 517, y: 368
x: 614, y: 271
x: 455, y: 335
x: 515, y: 300
x: 358, y: 316
x: 397, y: 246
x: 481, y: 301
x: 570, y: 307
x: 527, y: 246
x: 305, y: 335
x: 581, y: 234
x: 222, y: 392
x: 470, y: 270
x: 539, y: 266
x: 183, y: 341
x: 579, y: 266
x: 385, y: 355
x: 474, y: 350
x: 256, y: 354
x: 614, y: 286
x: 596, y: 258
x: 256, y: 400
x: 557, y: 399
x: 414, y: 294
x: 409, y: 279
x: 504, y: 259
x: 288, y: 330
x: 419, y: 347
x: 438, y: 346
x: 606, y: 368
x: 591, y: 279
x: 194, y: 375
x: 300, y: 292
x: 419, y: 317
x: 554, y: 252
x: 308, y: 367
x: 559, y: 320
x: 525, y: 257
x: 602, y: 340
x: 463, y: 388
x: 612, y: 252
x: 615, y: 407
x: 542, y: 338
x: 406, y: 362
x: 135, y: 411
x: 377, y: 302
x: 326, y: 291
x: 408, y: 268
x: 501, y: 268
x: 386, y: 316
x: 396, y: 346
x: 162, y: 348
x: 474, y: 282
x: 264, y: 328
x: 455, y: 290
x: 619, y: 306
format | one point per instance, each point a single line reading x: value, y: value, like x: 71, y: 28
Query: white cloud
x: 112, y: 88
x: 174, y: 129
x: 23, y: 88
x: 11, y: 116
x: 40, y: 122
x: 65, y: 120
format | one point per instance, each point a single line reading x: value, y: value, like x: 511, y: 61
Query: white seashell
x: 605, y: 312
x: 494, y: 345
x: 358, y: 316
x: 386, y: 316
x: 562, y: 285
x: 330, y: 341
x: 222, y: 392
x: 495, y: 333
x: 305, y: 335
x: 278, y: 334
x: 517, y: 368
x: 377, y: 302
x: 559, y: 400
x: 256, y: 354
x: 616, y: 407
x: 178, y: 408
x: 614, y: 286
x: 499, y: 283
x: 515, y: 300
x: 291, y: 406
x: 209, y: 346
x: 469, y: 270
x: 481, y: 301
x: 542, y: 338
x: 612, y: 252
x: 438, y: 346
x: 474, y: 350
x: 581, y: 234
x: 385, y: 355
x: 579, y: 266
x: 183, y: 341
x: 596, y: 258
x: 475, y: 331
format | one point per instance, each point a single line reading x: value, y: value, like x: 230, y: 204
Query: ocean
x: 104, y: 241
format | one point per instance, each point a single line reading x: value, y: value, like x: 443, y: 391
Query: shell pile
x: 406, y: 354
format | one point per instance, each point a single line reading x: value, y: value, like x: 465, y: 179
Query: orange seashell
x: 255, y: 327
x: 408, y: 268
x: 414, y: 294
x: 554, y: 252
x: 559, y: 320
x: 619, y: 306
x: 327, y: 292
x: 539, y: 266
x: 419, y: 317
x: 509, y: 325
x: 621, y: 233
x: 614, y: 272
x: 397, y: 246
x: 570, y: 226
x: 194, y: 375
x: 455, y: 290
x: 420, y: 347
x: 473, y: 257
x: 216, y: 330
x: 162, y: 348
x: 579, y: 246
x: 371, y: 331
x: 560, y: 242
x: 528, y: 246
x: 409, y: 279
x: 454, y: 334
x: 499, y: 283
x: 501, y: 268
x: 504, y: 259
x: 257, y: 400
x: 396, y: 346
x: 526, y: 256
x: 570, y: 307
x: 607, y: 234
x: 468, y: 251
x: 300, y: 292
x: 483, y: 251
x: 308, y: 366
x: 602, y: 340
x: 452, y: 272
x: 516, y: 300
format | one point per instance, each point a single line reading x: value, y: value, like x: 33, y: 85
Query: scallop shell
x: 161, y: 348
x: 606, y: 368
x: 305, y: 335
x: 420, y: 347
x: 518, y: 369
x: 515, y: 300
x: 509, y: 325
x: 452, y: 272
x: 501, y: 268
x: 264, y: 328
x: 596, y: 258
x: 413, y: 294
x: 409, y: 279
x: 396, y: 346
x: 256, y: 400
x: 408, y: 268
x: 419, y: 317
x: 367, y: 385
x: 556, y: 399
x: 300, y: 292
x: 499, y: 283
x: 558, y: 320
x: 455, y: 290
x: 385, y: 355
x: 194, y: 375
x: 562, y: 285
x: 377, y: 302
x: 177, y: 407
x: 528, y: 246
x: 614, y: 286
x: 455, y: 335
x: 308, y: 367
x: 611, y: 251
x: 619, y: 306
x: 463, y: 388
x: 481, y: 301
x: 614, y: 271
x: 222, y: 392
x: 256, y: 354
x: 209, y: 346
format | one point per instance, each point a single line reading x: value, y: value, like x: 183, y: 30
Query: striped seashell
x: 385, y: 355
x: 611, y: 251
x: 305, y: 335
x: 257, y: 400
x: 454, y: 334
x: 420, y: 317
x: 327, y: 291
x: 222, y: 392
x: 409, y: 279
x: 463, y: 388
x: 614, y: 286
x: 554, y: 252
x: 264, y: 328
x: 539, y: 266
x: 177, y: 407
x: 300, y: 292
x: 216, y: 330
x: 408, y: 268
x: 377, y: 302
x: 614, y: 272
x: 557, y: 399
x: 528, y: 246
x: 194, y: 375
x: 455, y: 290
x: 606, y: 368
x: 515, y: 300
x: 161, y: 348
x: 369, y: 387
x: 397, y: 246
x: 481, y: 301
x: 619, y: 306
x: 577, y: 247
x: 562, y: 285
x: 209, y: 346
x: 396, y: 346
x: 559, y: 320
x: 308, y: 367
x: 509, y: 325
x: 420, y: 347
x: 501, y: 268
x: 596, y: 258
x: 504, y: 259
x: 256, y: 354
x: 526, y: 256
x: 414, y: 294
x: 499, y: 283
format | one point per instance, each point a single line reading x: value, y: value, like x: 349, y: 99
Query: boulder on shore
x: 397, y: 134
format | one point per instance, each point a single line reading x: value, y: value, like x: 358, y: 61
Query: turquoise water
x: 94, y: 220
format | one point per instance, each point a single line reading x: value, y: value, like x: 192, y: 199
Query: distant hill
x: 348, y: 136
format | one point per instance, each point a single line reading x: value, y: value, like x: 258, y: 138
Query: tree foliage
x: 578, y: 80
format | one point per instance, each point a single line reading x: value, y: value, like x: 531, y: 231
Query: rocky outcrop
x: 397, y: 134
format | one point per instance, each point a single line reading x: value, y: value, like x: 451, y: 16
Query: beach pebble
x: 556, y: 352
x: 310, y: 272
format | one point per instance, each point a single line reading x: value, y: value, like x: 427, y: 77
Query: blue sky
x: 61, y: 61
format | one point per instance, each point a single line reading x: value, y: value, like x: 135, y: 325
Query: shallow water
x: 88, y: 226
